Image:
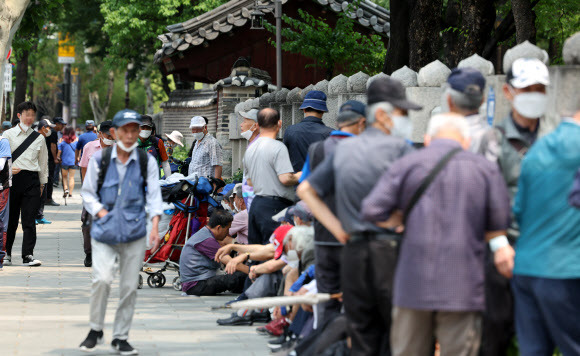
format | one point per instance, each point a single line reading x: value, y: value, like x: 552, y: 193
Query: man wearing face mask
x: 85, y: 138
x: 121, y: 182
x: 153, y: 145
x: 105, y: 140
x: 349, y: 174
x: 30, y: 170
x: 206, y: 152
x: 45, y: 129
x: 251, y: 132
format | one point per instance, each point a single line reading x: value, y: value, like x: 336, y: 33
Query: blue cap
x: 6, y: 125
x: 467, y: 80
x: 125, y: 117
x: 355, y: 106
x: 316, y: 100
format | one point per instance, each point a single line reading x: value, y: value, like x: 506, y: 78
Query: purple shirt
x: 208, y: 248
x: 441, y: 261
x: 240, y: 227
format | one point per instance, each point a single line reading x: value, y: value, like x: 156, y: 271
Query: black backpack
x: 106, y: 160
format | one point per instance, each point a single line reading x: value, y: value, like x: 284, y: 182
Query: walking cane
x: 190, y: 199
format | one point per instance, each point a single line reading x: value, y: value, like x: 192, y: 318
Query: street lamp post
x: 258, y: 24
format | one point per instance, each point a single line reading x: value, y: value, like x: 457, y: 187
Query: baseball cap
x: 6, y: 125
x: 282, y: 216
x: 250, y: 114
x: 89, y: 123
x: 392, y: 91
x: 316, y: 100
x: 126, y: 116
x: 467, y: 80
x: 527, y: 71
x: 197, y: 122
x: 277, y: 239
x: 44, y: 123
x: 58, y: 120
x: 350, y: 111
x: 146, y: 120
x: 105, y: 126
x: 301, y: 210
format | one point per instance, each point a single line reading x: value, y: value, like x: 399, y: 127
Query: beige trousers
x: 413, y: 332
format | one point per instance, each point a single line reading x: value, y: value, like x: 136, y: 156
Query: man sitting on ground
x: 197, y: 266
x: 239, y: 227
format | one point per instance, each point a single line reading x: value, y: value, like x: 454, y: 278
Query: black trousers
x: 87, y: 222
x: 25, y: 198
x: 328, y: 279
x: 46, y: 192
x: 260, y: 223
x: 49, y: 185
x: 219, y: 284
x: 367, y: 281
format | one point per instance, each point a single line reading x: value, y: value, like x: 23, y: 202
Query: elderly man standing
x: 268, y: 170
x: 250, y: 131
x: 88, y: 136
x: 30, y: 170
x: 206, y: 152
x: 452, y: 202
x: 300, y: 136
x: 546, y: 281
x: 369, y: 257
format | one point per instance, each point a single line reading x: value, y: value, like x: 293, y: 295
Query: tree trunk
x: 21, y: 81
x: 525, y: 19
x: 100, y: 111
x: 424, y: 30
x: 164, y: 82
x: 478, y: 17
x: 452, y: 39
x: 149, y: 109
x: 398, y: 48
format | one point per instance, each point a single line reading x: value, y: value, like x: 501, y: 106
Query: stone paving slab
x: 44, y: 310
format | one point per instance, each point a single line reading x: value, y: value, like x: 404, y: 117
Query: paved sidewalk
x: 44, y: 310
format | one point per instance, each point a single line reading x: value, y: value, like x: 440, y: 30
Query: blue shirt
x: 549, y: 242
x: 5, y: 149
x: 84, y: 139
x: 68, y: 153
x: 300, y: 136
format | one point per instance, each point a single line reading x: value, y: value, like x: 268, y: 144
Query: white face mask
x: 531, y: 105
x: 402, y: 127
x: 49, y: 132
x: 236, y: 207
x: 145, y: 134
x: 198, y: 136
x: 108, y: 142
x: 125, y: 148
x: 226, y: 206
x: 23, y: 127
x: 292, y: 258
x: 247, y: 134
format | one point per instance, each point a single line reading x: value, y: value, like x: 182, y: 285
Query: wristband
x: 498, y: 242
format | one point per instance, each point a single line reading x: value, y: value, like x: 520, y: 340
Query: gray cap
x: 250, y: 114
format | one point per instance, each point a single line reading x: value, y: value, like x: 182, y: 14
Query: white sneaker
x: 8, y: 260
x: 31, y: 261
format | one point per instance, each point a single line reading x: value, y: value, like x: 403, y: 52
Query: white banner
x: 66, y: 60
x: 8, y: 77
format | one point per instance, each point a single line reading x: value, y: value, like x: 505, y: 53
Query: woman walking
x: 66, y: 153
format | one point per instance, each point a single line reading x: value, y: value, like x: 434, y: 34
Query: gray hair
x: 449, y: 121
x: 302, y: 238
x: 373, y: 108
x: 467, y: 103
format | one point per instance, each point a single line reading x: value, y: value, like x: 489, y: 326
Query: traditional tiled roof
x: 236, y: 13
x: 187, y: 98
x: 243, y: 75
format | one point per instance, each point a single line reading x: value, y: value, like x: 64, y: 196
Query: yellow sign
x: 66, y: 49
x: 74, y: 71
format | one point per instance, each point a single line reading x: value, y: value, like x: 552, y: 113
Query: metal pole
x: 66, y: 103
x: 278, y: 15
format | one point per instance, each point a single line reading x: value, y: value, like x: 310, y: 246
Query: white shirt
x: 91, y: 200
x: 35, y: 158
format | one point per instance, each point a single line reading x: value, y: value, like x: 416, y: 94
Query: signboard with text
x: 75, y: 88
x: 8, y: 77
x: 66, y: 49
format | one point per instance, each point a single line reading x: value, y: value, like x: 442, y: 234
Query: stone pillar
x: 292, y: 97
x: 336, y: 87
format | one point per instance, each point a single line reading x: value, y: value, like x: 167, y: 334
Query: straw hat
x: 176, y: 137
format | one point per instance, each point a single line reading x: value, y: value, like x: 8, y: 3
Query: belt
x: 274, y: 197
x: 375, y: 236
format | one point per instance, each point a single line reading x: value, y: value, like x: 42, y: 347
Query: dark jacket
x: 300, y: 136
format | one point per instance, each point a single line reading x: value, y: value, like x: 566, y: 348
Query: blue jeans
x: 4, y: 209
x: 547, y: 313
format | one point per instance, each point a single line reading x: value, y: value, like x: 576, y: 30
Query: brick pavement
x: 44, y: 310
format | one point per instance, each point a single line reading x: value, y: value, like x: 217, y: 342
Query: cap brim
x: 406, y: 105
x: 280, y: 216
x: 196, y: 126
x: 174, y: 139
x: 320, y: 107
x: 520, y: 84
x: 129, y: 121
x: 279, y: 251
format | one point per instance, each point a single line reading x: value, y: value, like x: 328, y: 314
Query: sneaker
x: 276, y: 327
x: 43, y: 221
x: 8, y: 260
x: 31, y: 261
x: 52, y: 203
x: 88, y: 260
x: 123, y: 347
x: 93, y: 339
x: 284, y: 342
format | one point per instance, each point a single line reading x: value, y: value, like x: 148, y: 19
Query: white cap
x: 528, y: 71
x: 196, y: 122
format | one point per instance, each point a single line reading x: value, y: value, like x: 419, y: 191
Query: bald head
x: 268, y: 119
x: 449, y: 126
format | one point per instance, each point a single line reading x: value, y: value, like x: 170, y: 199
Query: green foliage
x: 333, y: 48
x: 238, y: 176
x: 36, y: 22
x: 555, y: 22
x: 180, y: 153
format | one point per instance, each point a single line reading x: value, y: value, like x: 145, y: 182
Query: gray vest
x: 193, y: 265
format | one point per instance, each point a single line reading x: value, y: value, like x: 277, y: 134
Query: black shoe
x: 123, y: 347
x: 88, y: 260
x: 93, y: 339
x: 284, y: 342
x: 263, y: 317
x: 52, y: 203
x: 235, y: 319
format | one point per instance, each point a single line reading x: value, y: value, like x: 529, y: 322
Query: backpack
x: 106, y: 160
